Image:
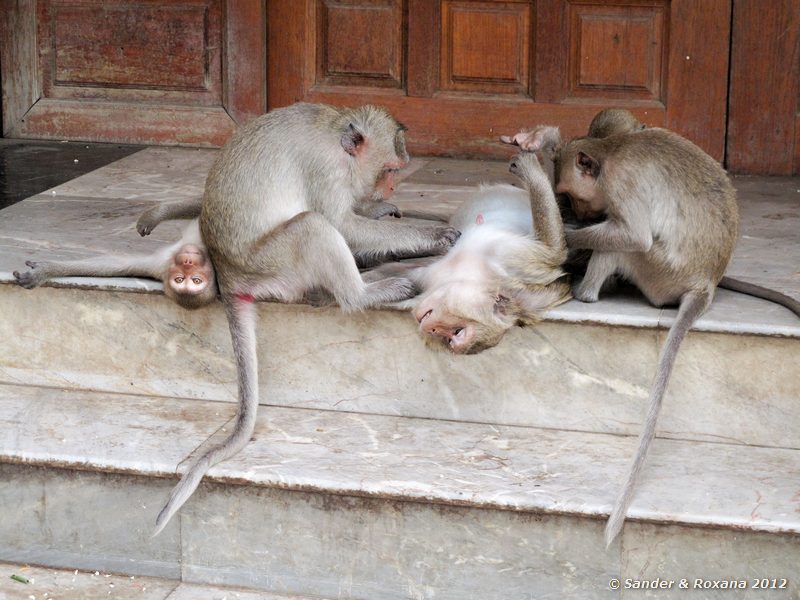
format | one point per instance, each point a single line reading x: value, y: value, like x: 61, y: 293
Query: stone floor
x: 95, y: 214
x: 18, y: 582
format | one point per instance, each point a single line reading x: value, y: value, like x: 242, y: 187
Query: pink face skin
x: 190, y: 271
x: 454, y: 331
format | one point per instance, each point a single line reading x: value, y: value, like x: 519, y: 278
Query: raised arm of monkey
x: 183, y: 267
x: 278, y: 218
x: 505, y: 270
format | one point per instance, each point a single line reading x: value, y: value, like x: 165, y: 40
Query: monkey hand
x: 542, y: 137
x: 444, y: 238
x: 383, y: 209
x: 33, y: 278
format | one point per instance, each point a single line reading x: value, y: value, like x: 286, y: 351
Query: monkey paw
x: 384, y: 209
x: 543, y: 136
x: 524, y: 164
x: 445, y: 237
x: 29, y: 279
x: 146, y: 224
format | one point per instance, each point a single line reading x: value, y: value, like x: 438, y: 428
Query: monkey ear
x: 352, y: 140
x: 501, y: 303
x: 587, y: 164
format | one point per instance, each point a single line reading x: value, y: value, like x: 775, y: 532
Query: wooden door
x: 461, y: 72
x: 764, y: 120
x: 143, y: 71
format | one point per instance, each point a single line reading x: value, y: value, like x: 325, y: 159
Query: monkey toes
x: 28, y: 279
x: 523, y: 164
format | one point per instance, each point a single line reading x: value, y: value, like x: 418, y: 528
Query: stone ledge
x: 427, y: 461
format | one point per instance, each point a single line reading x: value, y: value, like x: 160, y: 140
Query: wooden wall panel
x: 617, y: 51
x: 764, y: 120
x: 19, y: 64
x: 485, y: 47
x: 132, y: 45
x: 150, y: 72
x: 125, y: 52
x: 345, y: 56
x: 698, y: 72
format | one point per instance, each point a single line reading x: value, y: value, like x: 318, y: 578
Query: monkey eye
x: 197, y: 280
x: 179, y: 279
x: 458, y: 331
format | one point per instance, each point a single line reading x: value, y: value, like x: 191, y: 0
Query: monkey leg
x: 308, y: 252
x: 602, y: 265
x: 166, y: 211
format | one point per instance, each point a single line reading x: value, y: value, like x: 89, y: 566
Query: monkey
x: 277, y: 218
x: 664, y: 216
x: 183, y: 267
x: 546, y: 141
x: 504, y: 270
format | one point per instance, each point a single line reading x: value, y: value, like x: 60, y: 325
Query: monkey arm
x: 367, y: 237
x: 151, y: 266
x: 612, y: 235
x: 166, y: 211
x: 547, y: 225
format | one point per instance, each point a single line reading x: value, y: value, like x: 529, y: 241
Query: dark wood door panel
x: 180, y: 72
x: 460, y: 72
x: 764, y: 125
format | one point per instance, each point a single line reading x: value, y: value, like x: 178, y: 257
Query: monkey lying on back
x: 505, y: 269
x: 670, y: 227
x: 278, y: 219
x: 183, y: 267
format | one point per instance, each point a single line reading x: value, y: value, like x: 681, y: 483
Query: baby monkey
x: 664, y: 217
x: 183, y: 267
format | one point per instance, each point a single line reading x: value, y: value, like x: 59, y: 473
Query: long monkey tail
x: 241, y: 320
x: 759, y: 291
x: 692, y: 306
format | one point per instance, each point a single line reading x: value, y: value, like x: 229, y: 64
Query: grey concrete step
x: 347, y: 505
x: 19, y: 581
x: 587, y: 368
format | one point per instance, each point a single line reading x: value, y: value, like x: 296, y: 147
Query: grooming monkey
x: 278, y: 220
x: 670, y: 226
x: 546, y: 140
x: 505, y: 269
x: 183, y: 267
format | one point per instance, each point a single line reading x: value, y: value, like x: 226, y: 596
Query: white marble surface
x: 584, y: 377
x: 95, y: 214
x: 421, y: 460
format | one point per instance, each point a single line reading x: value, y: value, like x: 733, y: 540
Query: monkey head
x: 612, y: 121
x: 190, y: 280
x: 376, y: 141
x: 463, y: 318
x: 578, y: 173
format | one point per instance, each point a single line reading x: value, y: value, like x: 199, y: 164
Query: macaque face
x: 190, y: 272
x: 460, y: 318
x: 578, y: 182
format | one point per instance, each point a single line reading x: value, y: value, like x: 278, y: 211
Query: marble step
x: 587, y: 368
x: 348, y: 505
x: 61, y: 584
